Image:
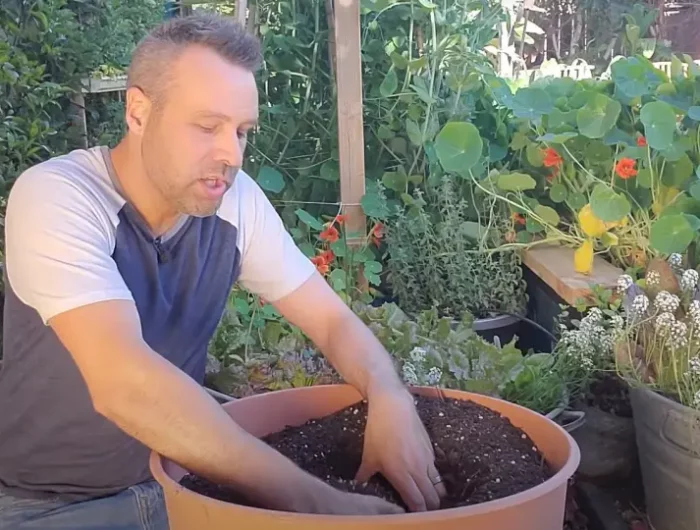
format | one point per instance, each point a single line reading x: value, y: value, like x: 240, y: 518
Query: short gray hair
x: 160, y: 48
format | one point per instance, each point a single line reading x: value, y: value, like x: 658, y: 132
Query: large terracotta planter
x: 540, y: 508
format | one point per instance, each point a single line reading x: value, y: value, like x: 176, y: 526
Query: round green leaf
x: 309, y: 219
x: 531, y: 103
x: 671, y: 233
x: 559, y: 138
x: 558, y: 193
x: 395, y: 180
x: 533, y: 226
x: 694, y: 113
x: 330, y: 171
x: 633, y: 77
x: 414, y: 132
x: 374, y: 206
x: 390, y: 84
x: 577, y: 201
x: 644, y: 178
x: 659, y: 124
x: 270, y: 179
x: 695, y: 190
x: 534, y: 154
x: 607, y: 205
x: 677, y: 173
x: 598, y: 116
x: 458, y: 146
x: 548, y: 215
x: 516, y: 182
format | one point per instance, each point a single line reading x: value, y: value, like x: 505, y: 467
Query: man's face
x: 192, y: 147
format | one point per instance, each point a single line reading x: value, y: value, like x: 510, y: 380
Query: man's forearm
x: 360, y: 358
x: 168, y: 412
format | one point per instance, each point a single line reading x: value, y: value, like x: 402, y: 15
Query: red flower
x: 327, y: 256
x: 518, y: 218
x: 330, y: 234
x: 551, y: 158
x: 641, y: 141
x: 377, y: 233
x: 321, y: 264
x: 625, y: 168
x: 340, y: 219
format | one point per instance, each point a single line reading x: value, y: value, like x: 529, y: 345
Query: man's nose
x: 231, y: 151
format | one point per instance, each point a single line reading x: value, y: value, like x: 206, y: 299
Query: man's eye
x: 207, y: 129
x: 242, y: 134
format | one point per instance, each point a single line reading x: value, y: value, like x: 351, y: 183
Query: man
x: 118, y: 267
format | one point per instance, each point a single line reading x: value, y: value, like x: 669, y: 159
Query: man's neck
x: 137, y: 188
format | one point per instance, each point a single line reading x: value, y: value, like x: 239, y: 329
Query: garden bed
x: 480, y: 454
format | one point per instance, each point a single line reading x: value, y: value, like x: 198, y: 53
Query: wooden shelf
x: 554, y: 265
x: 96, y: 85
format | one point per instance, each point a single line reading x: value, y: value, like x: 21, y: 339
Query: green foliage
x: 438, y: 351
x: 435, y: 260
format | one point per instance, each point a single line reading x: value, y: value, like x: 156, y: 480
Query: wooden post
x: 241, y: 10
x: 350, y: 127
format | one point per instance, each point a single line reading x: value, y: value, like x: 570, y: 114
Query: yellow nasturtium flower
x: 583, y: 258
x: 590, y: 224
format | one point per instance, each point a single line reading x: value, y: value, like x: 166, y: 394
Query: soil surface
x: 480, y: 454
x: 610, y: 394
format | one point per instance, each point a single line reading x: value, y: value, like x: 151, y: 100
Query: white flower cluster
x: 664, y: 323
x: 675, y: 259
x: 653, y: 278
x: 694, y: 311
x: 694, y: 367
x: 624, y: 282
x: 434, y: 376
x: 640, y: 305
x: 696, y: 400
x: 418, y: 355
x: 678, y: 337
x: 666, y: 302
x: 409, y: 373
x: 591, y: 340
x: 689, y: 280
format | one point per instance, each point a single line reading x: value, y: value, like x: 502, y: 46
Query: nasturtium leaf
x: 659, y: 124
x: 694, y: 113
x: 330, y: 171
x: 414, y: 132
x: 671, y: 233
x: 390, y: 84
x: 270, y: 179
x: 676, y: 174
x: 597, y: 152
x: 398, y: 60
x: 558, y: 118
x: 374, y: 206
x: 532, y: 226
x: 473, y: 230
x: 607, y: 205
x: 516, y: 182
x: 534, y: 154
x: 673, y: 153
x: 598, y: 116
x: 644, y: 177
x: 337, y: 277
x: 559, y: 138
x: 519, y: 141
x: 618, y: 137
x: 458, y: 146
x: 694, y: 190
x: 531, y: 103
x: 576, y: 201
x: 558, y: 193
x: 548, y: 215
x: 523, y: 236
x: 693, y: 221
x: 395, y: 180
x: 633, y: 77
x: 308, y: 219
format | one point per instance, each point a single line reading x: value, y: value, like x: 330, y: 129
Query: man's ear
x: 138, y: 109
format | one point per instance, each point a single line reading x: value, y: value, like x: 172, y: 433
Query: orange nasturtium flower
x: 641, y: 141
x: 327, y: 256
x: 321, y: 264
x: 625, y: 168
x: 377, y: 233
x: 330, y: 234
x: 518, y: 218
x: 340, y: 219
x: 551, y: 158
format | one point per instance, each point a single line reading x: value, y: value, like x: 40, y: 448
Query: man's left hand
x: 397, y: 446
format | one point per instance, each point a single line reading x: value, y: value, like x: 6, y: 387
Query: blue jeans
x: 139, y: 507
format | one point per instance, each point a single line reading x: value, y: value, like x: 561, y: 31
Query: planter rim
x: 555, y: 481
x: 498, y: 321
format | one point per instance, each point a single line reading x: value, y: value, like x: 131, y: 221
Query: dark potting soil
x: 610, y: 394
x: 480, y: 454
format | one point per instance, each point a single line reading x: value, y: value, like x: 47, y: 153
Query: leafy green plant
x: 441, y: 255
x: 437, y: 351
